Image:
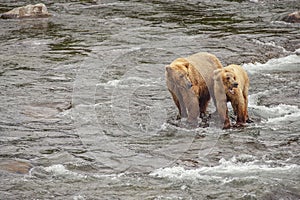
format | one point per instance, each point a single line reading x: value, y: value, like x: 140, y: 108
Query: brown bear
x: 231, y: 84
x: 190, y: 82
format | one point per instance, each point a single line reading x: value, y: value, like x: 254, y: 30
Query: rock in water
x: 293, y: 17
x: 15, y: 166
x: 29, y: 11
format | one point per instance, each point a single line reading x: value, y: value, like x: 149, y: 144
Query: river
x: 85, y: 112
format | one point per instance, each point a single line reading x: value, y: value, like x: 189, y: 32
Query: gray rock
x: 29, y: 11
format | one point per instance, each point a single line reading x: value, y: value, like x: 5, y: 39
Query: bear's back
x: 205, y: 63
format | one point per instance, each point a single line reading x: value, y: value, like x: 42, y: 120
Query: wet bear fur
x: 231, y: 84
x: 190, y: 82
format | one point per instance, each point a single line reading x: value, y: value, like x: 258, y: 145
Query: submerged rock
x: 29, y: 11
x: 293, y: 17
x: 15, y: 166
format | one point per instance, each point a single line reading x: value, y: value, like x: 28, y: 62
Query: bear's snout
x: 235, y: 85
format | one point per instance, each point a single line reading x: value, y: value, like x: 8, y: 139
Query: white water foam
x: 275, y: 113
x: 79, y: 197
x: 207, y: 131
x: 286, y: 118
x: 131, y: 82
x: 288, y: 63
x: 60, y: 171
x: 234, y: 167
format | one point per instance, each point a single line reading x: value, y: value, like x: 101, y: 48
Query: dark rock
x: 29, y: 11
x: 293, y: 17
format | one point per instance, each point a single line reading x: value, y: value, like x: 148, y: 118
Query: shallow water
x: 84, y: 102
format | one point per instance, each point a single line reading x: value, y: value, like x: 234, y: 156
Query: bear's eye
x: 228, y: 78
x: 234, y: 78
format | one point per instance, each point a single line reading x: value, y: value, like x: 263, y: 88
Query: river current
x: 85, y: 112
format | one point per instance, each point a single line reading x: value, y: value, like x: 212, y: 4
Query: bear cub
x: 231, y: 84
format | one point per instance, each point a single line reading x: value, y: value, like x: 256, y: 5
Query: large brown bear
x: 231, y: 84
x: 190, y: 82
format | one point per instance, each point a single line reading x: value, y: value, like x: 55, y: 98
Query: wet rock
x: 293, y: 17
x: 15, y: 166
x: 29, y: 11
x: 46, y: 110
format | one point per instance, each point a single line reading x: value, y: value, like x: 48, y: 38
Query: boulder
x: 293, y: 17
x: 29, y: 11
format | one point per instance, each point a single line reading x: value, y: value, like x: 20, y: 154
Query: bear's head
x: 177, y: 74
x: 228, y: 79
x: 180, y: 86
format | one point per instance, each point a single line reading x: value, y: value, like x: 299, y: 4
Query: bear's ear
x: 184, y: 62
x: 217, y: 71
x: 168, y: 68
x: 217, y: 74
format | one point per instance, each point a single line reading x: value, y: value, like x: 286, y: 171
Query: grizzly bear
x: 190, y: 82
x: 231, y: 84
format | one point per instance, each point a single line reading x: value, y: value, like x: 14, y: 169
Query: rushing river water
x: 85, y: 113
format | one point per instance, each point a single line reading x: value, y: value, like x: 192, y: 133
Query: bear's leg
x: 220, y: 101
x: 203, y: 103
x: 193, y: 110
x: 222, y: 110
x: 180, y: 104
x: 226, y: 121
x: 223, y: 113
x: 235, y: 109
x: 238, y: 105
x: 241, y: 115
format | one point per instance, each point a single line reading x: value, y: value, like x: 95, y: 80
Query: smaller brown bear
x: 231, y: 84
